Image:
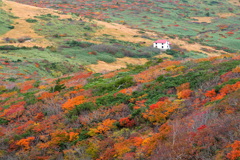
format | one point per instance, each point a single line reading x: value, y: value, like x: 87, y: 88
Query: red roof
x: 161, y: 41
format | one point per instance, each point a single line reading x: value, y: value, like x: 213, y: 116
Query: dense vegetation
x: 165, y: 109
x: 183, y: 107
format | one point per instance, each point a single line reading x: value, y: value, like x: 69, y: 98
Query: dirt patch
x: 235, y: 2
x: 164, y: 55
x: 120, y: 32
x: 225, y: 15
x: 195, y: 47
x: 103, y: 67
x: 203, y: 19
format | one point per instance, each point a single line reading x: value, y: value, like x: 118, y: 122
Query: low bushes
x: 82, y: 44
x: 87, y: 106
x: 31, y: 20
x: 120, y: 83
x: 11, y: 47
x: 106, y: 58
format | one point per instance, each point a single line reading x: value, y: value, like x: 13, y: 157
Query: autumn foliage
x: 159, y: 112
x: 25, y: 143
x: 71, y: 103
x: 126, y: 122
x: 223, y: 91
x: 235, y: 153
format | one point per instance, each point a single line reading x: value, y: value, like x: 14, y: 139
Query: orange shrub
x: 126, y: 122
x: 103, y: 127
x: 125, y: 145
x: 9, y: 94
x: 226, y: 90
x: 183, y: 86
x: 59, y: 136
x: 106, y: 125
x: 25, y: 143
x: 150, y: 143
x: 235, y: 153
x: 236, y: 70
x: 184, y: 94
x: 211, y: 93
x: 128, y: 91
x: 159, y: 112
x: 71, y: 103
x: 47, y: 95
x: 14, y: 111
x: 237, y: 57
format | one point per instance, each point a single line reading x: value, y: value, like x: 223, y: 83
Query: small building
x: 162, y: 44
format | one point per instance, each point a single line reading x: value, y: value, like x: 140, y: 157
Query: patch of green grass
x: 195, y: 55
x: 106, y: 58
x: 46, y: 17
x: 5, y: 21
x: 60, y: 30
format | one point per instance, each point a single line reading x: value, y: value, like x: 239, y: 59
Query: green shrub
x: 3, y: 121
x: 29, y: 20
x: 24, y: 135
x: 46, y: 16
x: 195, y: 79
x: 58, y: 87
x: 173, y: 52
x: 82, y: 44
x: 227, y: 66
x: 11, y: 47
x: 116, y: 84
x: 30, y: 98
x: 87, y: 106
x: 110, y: 99
x: 12, y: 79
x: 106, y: 48
x: 11, y: 27
x: 106, y: 58
x: 83, y: 135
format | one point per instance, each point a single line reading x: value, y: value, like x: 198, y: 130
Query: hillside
x: 80, y: 80
x: 164, y: 109
x: 212, y: 23
x: 55, y: 37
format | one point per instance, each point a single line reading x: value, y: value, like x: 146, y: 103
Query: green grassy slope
x: 164, y: 17
x: 5, y: 20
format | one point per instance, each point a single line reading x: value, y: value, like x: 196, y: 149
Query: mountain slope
x: 161, y: 110
x: 138, y: 104
x: 174, y: 18
x: 51, y: 30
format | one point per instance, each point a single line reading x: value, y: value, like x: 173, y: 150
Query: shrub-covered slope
x: 165, y: 109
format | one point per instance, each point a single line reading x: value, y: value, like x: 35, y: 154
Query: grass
x: 71, y: 51
x: 49, y: 62
x: 59, y: 30
x: 195, y: 55
x: 165, y: 17
x: 46, y: 17
x: 5, y: 21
